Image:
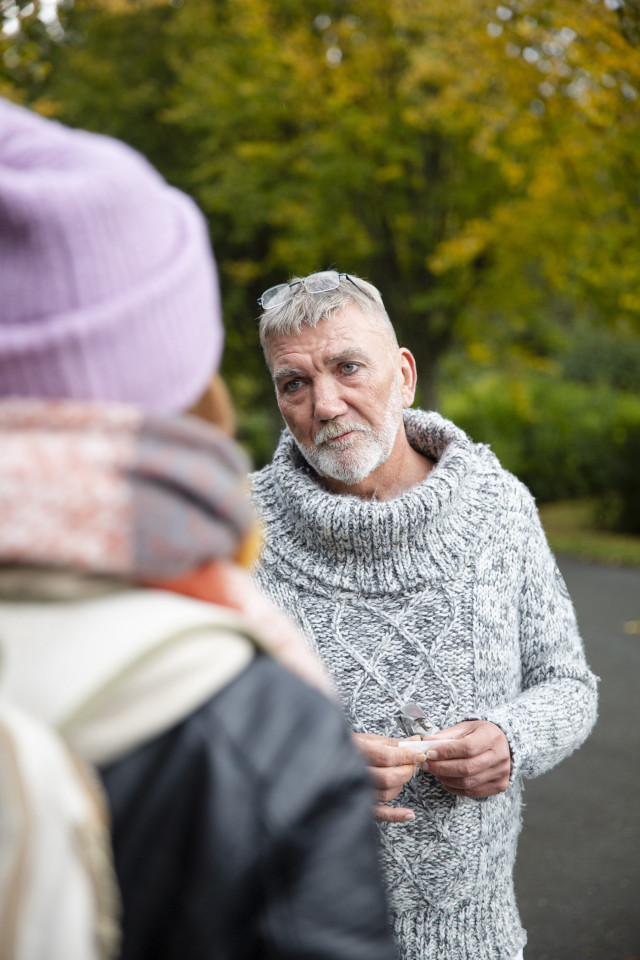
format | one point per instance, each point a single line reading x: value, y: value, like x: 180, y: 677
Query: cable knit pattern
x: 448, y: 595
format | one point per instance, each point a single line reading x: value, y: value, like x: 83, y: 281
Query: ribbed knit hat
x: 108, y: 287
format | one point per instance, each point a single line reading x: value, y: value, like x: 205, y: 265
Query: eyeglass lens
x: 315, y: 283
x: 321, y: 282
x: 275, y: 296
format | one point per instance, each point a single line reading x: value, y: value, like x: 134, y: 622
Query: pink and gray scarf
x: 108, y: 490
x: 105, y: 490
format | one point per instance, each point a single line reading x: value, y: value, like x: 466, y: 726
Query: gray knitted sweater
x: 448, y: 595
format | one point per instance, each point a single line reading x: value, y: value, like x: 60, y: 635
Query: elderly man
x: 418, y: 570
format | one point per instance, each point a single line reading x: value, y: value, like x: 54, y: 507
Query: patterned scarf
x: 105, y: 490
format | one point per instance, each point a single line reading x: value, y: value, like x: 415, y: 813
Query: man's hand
x: 477, y: 764
x: 390, y: 766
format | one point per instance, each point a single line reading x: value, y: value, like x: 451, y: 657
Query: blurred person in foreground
x: 420, y: 574
x: 240, y: 809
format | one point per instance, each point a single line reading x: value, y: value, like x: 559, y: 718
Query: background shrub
x: 563, y: 439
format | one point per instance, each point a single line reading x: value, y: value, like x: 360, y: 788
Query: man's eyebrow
x: 353, y: 353
x: 281, y: 375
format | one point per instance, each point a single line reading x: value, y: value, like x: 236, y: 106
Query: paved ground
x: 578, y: 870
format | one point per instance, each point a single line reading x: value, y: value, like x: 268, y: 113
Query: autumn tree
x: 477, y: 161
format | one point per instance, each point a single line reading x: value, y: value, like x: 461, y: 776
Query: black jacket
x: 246, y: 832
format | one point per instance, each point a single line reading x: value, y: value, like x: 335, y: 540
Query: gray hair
x: 308, y: 309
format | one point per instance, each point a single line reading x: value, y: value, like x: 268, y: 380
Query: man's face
x: 341, y: 393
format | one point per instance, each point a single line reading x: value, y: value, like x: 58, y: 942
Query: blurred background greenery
x: 479, y: 162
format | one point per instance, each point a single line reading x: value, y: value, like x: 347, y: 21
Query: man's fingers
x: 476, y: 745
x: 363, y: 739
x: 471, y: 737
x: 393, y: 814
x: 389, y: 781
x: 489, y: 789
x: 388, y: 778
x: 385, y: 794
x: 475, y: 763
x: 461, y: 748
x: 385, y: 752
x: 496, y: 772
x: 462, y: 767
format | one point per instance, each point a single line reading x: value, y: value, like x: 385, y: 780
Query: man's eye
x: 350, y: 367
x: 291, y: 386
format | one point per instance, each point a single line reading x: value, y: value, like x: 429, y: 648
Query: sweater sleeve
x: 557, y: 707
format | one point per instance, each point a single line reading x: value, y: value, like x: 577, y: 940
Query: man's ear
x: 408, y: 376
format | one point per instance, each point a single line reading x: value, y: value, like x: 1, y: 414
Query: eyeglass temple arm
x: 354, y: 283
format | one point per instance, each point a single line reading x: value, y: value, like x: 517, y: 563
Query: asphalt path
x: 578, y: 867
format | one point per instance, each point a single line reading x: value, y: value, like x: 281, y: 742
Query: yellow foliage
x: 47, y: 107
x: 480, y: 167
x: 391, y: 171
x: 242, y: 271
x: 127, y: 6
x: 480, y: 353
x: 631, y: 300
x: 548, y: 181
x: 513, y: 171
x: 462, y: 249
x: 8, y: 91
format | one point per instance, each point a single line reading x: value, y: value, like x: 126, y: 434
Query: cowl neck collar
x: 380, y: 547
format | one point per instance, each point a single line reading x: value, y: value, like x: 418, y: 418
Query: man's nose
x: 327, y: 402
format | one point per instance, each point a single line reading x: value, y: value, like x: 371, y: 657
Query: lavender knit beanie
x: 108, y: 286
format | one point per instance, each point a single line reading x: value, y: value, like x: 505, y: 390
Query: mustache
x: 332, y: 430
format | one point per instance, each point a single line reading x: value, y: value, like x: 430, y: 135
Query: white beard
x: 354, y: 458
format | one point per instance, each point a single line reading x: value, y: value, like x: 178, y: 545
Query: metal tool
x: 412, y: 719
